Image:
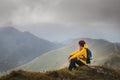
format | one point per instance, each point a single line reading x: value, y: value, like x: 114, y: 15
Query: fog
x: 61, y: 20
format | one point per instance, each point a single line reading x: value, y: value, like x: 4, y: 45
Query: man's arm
x: 72, y: 54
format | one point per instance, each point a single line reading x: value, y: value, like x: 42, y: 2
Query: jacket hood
x: 85, y: 46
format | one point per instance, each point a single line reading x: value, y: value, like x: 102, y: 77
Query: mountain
x: 104, y: 53
x: 82, y: 73
x: 18, y: 48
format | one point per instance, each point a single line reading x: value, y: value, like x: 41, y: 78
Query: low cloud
x: 101, y: 16
x: 60, y: 11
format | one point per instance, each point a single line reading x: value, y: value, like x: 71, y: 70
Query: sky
x: 62, y: 20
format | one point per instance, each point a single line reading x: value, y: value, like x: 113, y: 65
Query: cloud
x: 100, y: 17
x: 60, y: 11
x: 88, y: 11
x: 26, y: 11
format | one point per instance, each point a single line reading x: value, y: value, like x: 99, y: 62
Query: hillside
x: 104, y: 53
x: 18, y: 48
x: 82, y: 73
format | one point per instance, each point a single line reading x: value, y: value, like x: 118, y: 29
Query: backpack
x: 89, y: 56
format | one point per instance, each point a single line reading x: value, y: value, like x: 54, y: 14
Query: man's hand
x: 69, y: 57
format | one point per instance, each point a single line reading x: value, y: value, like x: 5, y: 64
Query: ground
x: 81, y: 73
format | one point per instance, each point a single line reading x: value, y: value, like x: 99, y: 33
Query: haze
x: 62, y: 20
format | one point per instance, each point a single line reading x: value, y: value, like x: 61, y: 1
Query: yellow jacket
x: 80, y: 54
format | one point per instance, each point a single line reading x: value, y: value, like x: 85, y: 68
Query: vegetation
x: 103, y: 54
x: 18, y: 48
x: 82, y: 73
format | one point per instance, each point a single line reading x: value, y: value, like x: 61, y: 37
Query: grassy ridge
x: 82, y: 73
x: 104, y: 53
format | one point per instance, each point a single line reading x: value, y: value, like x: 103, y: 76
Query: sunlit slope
x: 52, y: 60
x: 103, y: 51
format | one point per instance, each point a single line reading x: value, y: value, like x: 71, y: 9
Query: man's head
x: 82, y: 43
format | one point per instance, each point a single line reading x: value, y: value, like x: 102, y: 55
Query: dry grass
x: 82, y: 73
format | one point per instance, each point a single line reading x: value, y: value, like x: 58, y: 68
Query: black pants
x: 73, y: 63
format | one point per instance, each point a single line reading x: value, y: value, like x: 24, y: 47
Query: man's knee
x: 74, y: 60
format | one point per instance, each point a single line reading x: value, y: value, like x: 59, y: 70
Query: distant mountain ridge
x: 18, y: 48
x: 104, y: 53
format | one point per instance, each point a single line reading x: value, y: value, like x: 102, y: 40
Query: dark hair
x: 81, y: 43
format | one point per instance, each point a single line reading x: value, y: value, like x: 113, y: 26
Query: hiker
x: 79, y: 57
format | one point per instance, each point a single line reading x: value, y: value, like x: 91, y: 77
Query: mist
x: 61, y: 20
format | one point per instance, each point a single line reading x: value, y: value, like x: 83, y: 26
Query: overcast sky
x: 59, y: 20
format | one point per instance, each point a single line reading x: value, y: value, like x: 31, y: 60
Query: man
x: 78, y: 57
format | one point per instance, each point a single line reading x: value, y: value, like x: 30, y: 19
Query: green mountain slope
x: 82, y: 73
x: 18, y: 48
x: 104, y: 53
